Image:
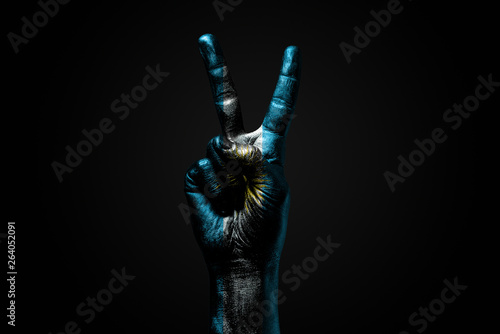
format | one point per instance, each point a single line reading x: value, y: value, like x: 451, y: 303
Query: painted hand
x: 241, y: 196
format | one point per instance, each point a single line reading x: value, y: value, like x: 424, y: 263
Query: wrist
x: 244, y: 298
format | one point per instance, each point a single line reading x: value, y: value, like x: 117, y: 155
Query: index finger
x: 223, y: 91
x: 282, y: 105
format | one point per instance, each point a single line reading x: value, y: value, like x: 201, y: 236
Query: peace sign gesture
x: 240, y: 193
x: 228, y: 107
x: 240, y: 186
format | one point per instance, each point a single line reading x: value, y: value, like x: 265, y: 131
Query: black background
x: 119, y: 208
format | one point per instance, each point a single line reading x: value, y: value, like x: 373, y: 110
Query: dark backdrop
x: 119, y: 207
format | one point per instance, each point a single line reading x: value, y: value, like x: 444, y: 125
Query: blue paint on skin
x: 240, y: 224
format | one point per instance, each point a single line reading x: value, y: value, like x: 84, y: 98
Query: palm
x: 239, y: 189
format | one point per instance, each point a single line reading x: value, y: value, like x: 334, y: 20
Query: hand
x: 241, y: 197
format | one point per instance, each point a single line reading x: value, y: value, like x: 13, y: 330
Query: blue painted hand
x: 241, y: 196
